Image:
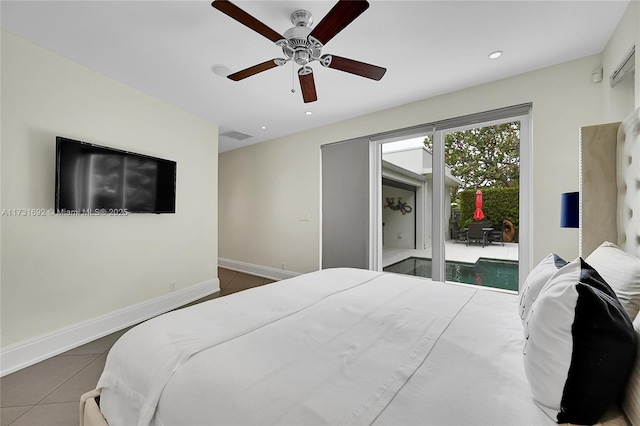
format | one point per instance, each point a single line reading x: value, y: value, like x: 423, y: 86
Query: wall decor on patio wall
x: 397, y: 205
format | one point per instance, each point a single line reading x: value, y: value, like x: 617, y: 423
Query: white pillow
x: 580, y: 346
x: 621, y: 271
x: 536, y: 279
x: 631, y: 400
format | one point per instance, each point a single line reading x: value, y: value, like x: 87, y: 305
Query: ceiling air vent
x: 236, y: 135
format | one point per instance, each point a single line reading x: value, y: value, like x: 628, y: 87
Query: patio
x: 458, y: 252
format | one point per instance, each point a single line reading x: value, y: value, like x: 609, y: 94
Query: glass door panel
x: 406, y: 206
x: 481, y: 205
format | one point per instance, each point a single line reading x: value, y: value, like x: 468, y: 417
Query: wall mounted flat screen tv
x: 93, y: 178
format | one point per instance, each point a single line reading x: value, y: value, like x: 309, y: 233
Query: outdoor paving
x: 458, y: 252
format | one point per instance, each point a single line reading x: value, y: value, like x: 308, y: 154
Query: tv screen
x: 93, y: 179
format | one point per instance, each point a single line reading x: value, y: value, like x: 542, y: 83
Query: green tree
x: 484, y: 156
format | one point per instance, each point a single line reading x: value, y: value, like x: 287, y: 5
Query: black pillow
x: 580, y: 346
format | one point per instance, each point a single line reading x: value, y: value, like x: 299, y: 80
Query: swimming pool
x: 486, y: 272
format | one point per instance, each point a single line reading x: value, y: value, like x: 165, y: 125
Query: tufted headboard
x: 610, y: 211
x: 628, y: 183
x: 610, y: 185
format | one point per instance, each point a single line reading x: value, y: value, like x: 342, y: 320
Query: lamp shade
x: 570, y: 210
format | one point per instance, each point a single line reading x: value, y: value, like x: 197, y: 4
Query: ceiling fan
x: 304, y: 45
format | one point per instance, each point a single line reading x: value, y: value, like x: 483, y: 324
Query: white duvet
x: 339, y: 346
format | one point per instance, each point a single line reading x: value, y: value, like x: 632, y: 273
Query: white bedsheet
x: 339, y: 346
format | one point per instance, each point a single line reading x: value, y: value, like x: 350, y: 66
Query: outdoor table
x: 485, y: 235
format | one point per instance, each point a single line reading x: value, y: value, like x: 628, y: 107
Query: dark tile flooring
x: 48, y: 393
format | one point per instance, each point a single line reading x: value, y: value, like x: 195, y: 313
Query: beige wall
x: 59, y: 271
x: 264, y: 186
x: 619, y: 101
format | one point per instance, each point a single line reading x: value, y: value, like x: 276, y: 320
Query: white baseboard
x: 28, y: 352
x: 260, y: 271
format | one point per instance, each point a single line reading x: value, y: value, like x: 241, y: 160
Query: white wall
x: 409, y: 159
x: 59, y: 271
x: 264, y: 186
x: 399, y: 230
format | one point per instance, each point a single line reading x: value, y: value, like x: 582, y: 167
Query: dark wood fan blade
x: 354, y: 67
x: 248, y: 72
x: 244, y: 18
x: 307, y: 84
x: 341, y: 15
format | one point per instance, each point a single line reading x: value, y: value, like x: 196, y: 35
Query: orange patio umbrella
x: 478, y: 215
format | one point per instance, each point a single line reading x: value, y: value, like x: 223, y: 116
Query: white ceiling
x: 167, y: 49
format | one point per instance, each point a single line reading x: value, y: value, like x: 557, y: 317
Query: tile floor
x: 48, y: 393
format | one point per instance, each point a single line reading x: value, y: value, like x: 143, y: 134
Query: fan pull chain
x: 293, y: 78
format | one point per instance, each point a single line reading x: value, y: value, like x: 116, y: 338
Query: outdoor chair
x: 457, y: 234
x: 475, y: 232
x: 496, y: 237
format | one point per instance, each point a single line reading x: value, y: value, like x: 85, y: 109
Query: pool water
x: 485, y: 272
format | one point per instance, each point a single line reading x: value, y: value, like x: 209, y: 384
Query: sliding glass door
x: 482, y: 204
x: 453, y: 199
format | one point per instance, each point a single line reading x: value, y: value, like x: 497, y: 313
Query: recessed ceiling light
x: 308, y: 113
x: 495, y: 55
x: 263, y: 127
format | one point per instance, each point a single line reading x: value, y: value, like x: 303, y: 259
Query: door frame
x: 521, y: 113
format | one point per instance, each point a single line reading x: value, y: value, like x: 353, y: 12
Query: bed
x: 350, y: 346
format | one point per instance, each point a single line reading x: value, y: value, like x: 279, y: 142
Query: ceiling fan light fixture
x: 302, y: 57
x: 303, y: 45
x: 296, y: 46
